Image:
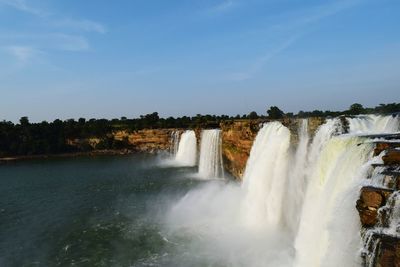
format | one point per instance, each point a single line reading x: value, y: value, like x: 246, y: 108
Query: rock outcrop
x: 147, y: 140
x: 381, y: 146
x: 237, y: 139
x: 392, y: 157
x: 382, y: 251
x: 371, y: 199
x: 378, y: 208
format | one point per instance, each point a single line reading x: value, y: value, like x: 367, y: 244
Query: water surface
x: 94, y: 211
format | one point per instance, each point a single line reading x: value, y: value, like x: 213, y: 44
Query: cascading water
x: 210, y: 164
x: 296, y: 182
x: 329, y: 228
x: 329, y: 231
x: 325, y: 132
x: 373, y: 124
x: 297, y: 204
x: 187, y: 149
x: 328, y: 181
x: 174, y: 143
x: 265, y: 176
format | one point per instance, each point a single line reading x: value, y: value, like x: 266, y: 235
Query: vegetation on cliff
x: 25, y: 138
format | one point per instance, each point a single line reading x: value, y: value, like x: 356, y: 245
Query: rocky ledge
x: 370, y: 201
x: 379, y: 206
x: 147, y: 140
x: 237, y: 139
x: 381, y: 250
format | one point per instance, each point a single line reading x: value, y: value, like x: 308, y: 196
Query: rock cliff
x: 238, y: 137
x: 379, y: 207
x: 147, y: 140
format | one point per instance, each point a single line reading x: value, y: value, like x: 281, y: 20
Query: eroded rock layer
x: 379, y: 209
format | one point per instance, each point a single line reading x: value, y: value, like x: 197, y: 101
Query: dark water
x: 87, y: 211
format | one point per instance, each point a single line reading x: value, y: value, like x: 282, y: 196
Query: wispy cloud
x: 23, y: 6
x: 261, y: 61
x: 21, y: 53
x: 81, y: 25
x: 295, y: 28
x: 70, y: 42
x: 313, y: 15
x: 47, y: 41
x: 58, y: 33
x: 223, y: 6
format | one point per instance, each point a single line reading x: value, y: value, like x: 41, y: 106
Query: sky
x: 107, y: 59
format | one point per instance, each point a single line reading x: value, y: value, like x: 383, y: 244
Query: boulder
x: 381, y: 146
x: 388, y: 252
x: 371, y: 199
x: 392, y: 157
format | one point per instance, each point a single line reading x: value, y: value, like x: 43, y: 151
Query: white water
x: 174, y: 143
x: 394, y: 219
x: 297, y: 184
x: 264, y: 179
x: 329, y: 226
x: 295, y: 207
x: 187, y: 149
x: 373, y: 124
x: 210, y: 164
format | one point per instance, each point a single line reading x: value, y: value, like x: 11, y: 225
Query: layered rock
x: 382, y: 251
x: 237, y: 139
x: 392, y: 157
x: 381, y: 146
x: 379, y: 208
x: 147, y: 140
x: 371, y: 199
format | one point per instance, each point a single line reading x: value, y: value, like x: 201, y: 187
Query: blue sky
x: 95, y: 58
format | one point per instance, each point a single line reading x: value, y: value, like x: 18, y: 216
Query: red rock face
x: 147, y: 140
x: 390, y: 254
x: 371, y: 199
x: 381, y: 146
x: 392, y: 157
x: 237, y: 139
x: 385, y: 251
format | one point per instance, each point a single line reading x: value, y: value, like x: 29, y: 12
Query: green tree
x: 24, y: 121
x: 356, y: 109
x: 253, y: 115
x: 275, y: 113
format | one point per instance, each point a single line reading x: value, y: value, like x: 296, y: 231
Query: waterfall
x: 328, y: 233
x: 187, y: 149
x: 265, y: 176
x: 312, y: 192
x: 329, y: 230
x: 296, y: 183
x: 210, y: 164
x: 174, y: 143
x: 373, y: 124
x: 296, y: 204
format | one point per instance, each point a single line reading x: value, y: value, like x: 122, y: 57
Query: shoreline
x: 93, y: 153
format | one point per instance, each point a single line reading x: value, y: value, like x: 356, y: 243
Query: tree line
x: 26, y: 138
